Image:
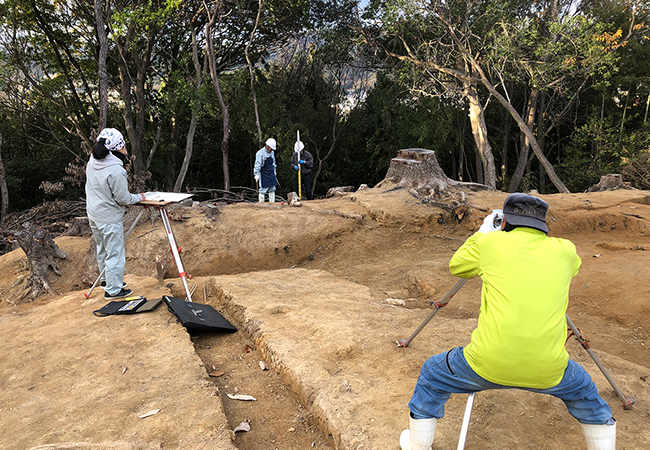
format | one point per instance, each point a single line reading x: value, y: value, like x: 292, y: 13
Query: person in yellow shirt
x: 522, y: 328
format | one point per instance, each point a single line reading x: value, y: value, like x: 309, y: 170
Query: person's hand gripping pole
x: 491, y: 223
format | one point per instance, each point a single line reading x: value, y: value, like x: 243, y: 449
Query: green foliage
x: 145, y: 15
x: 391, y: 118
x: 305, y: 55
x: 599, y: 148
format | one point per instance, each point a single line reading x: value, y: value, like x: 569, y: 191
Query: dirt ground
x: 320, y: 294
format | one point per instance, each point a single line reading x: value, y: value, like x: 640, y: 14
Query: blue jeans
x: 448, y: 373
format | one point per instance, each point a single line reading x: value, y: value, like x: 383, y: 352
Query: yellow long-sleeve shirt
x: 522, y: 327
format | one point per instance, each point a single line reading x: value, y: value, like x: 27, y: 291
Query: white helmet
x: 271, y: 143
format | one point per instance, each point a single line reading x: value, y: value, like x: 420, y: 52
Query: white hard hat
x: 271, y: 143
x: 298, y: 146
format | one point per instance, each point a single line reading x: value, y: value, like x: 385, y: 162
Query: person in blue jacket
x: 264, y: 170
x: 107, y: 195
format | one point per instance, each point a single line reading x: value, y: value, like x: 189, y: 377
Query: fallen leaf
x: 242, y: 397
x: 215, y: 374
x: 244, y: 426
x: 248, y: 348
x: 150, y: 413
x: 263, y: 365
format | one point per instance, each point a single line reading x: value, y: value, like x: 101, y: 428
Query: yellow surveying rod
x: 299, y: 168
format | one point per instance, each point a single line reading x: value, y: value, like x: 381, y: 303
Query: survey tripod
x: 161, y: 205
x: 584, y: 342
x: 175, y: 249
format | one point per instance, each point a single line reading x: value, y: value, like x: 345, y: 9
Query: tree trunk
x: 480, y: 178
x: 41, y: 252
x: 154, y: 147
x: 4, y: 192
x: 102, y: 74
x: 133, y: 94
x: 479, y: 131
x: 515, y: 115
x: 189, y: 144
x: 250, y: 69
x: 336, y: 132
x: 224, y: 107
x: 462, y: 159
x: 462, y: 163
x: 541, y: 132
x: 610, y: 182
x: 524, y: 144
x: 529, y: 134
x: 505, y: 144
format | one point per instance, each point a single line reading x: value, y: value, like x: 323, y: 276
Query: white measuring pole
x: 466, y: 417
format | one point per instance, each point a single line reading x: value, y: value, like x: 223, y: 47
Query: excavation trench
x: 236, y: 364
x: 322, y: 315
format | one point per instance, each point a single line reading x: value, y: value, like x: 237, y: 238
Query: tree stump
x: 41, y: 252
x: 417, y: 170
x: 79, y: 227
x: 609, y: 183
x: 339, y: 190
x: 211, y: 211
x: 293, y: 199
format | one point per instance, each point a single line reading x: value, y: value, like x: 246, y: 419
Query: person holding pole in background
x: 107, y: 196
x: 302, y: 162
x: 264, y: 170
x: 522, y: 328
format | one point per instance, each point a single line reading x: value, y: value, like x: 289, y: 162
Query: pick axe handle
x: 627, y: 402
x: 459, y: 284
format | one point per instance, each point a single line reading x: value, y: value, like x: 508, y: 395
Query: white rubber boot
x: 600, y: 437
x: 261, y: 197
x: 272, y: 197
x: 419, y: 436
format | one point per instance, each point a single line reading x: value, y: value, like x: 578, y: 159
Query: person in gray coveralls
x: 107, y: 195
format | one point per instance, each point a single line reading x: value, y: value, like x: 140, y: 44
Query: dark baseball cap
x: 526, y: 211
